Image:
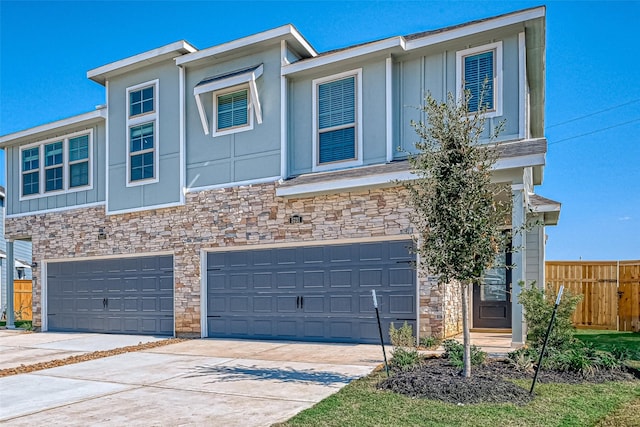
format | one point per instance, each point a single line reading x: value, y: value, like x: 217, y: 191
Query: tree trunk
x: 465, y: 330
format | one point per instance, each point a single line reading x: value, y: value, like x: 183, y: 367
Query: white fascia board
x: 479, y: 27
x: 179, y: 47
x: 520, y: 161
x: 274, y: 33
x: 390, y: 43
x: 381, y: 180
x: 75, y: 120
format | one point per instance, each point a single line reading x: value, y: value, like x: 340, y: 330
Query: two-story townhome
x: 250, y: 189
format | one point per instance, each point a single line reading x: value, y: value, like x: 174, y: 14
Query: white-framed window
x: 479, y: 71
x: 337, y: 121
x: 235, y: 101
x: 232, y: 111
x: 142, y: 133
x: 57, y: 165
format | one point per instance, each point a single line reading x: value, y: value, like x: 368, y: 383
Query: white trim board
x: 101, y: 113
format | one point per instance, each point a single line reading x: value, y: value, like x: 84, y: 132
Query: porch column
x: 518, y: 258
x: 11, y: 266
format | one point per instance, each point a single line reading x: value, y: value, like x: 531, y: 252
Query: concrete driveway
x: 195, y: 382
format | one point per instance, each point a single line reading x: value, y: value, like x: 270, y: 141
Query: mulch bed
x: 437, y: 379
x: 25, y: 369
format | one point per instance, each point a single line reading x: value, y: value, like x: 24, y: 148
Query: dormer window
x: 142, y: 133
x: 235, y: 101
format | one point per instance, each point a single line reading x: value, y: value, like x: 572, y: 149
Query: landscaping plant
x: 458, y: 217
x: 404, y: 354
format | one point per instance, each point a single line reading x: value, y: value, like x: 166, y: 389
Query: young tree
x: 456, y: 208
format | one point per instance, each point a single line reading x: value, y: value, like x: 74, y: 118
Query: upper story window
x: 235, y: 101
x: 142, y: 133
x: 141, y: 101
x: 232, y: 110
x: 65, y: 165
x: 337, y: 121
x: 479, y: 71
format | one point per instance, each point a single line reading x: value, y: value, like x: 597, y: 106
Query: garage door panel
x: 316, y: 293
x: 401, y: 304
x: 263, y: 304
x: 313, y: 279
x: 239, y: 304
x: 340, y: 278
x: 262, y: 280
x: 239, y: 281
x: 286, y: 280
x: 371, y: 277
x: 402, y: 277
x: 286, y: 304
x: 119, y: 295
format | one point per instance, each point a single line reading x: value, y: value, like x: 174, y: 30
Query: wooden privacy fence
x: 22, y: 299
x: 611, y: 292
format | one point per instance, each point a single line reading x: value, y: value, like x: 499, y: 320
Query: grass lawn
x: 602, y: 405
x: 607, y: 340
x: 25, y: 324
x: 360, y: 404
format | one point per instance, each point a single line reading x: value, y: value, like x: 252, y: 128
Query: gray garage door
x: 314, y: 293
x: 123, y: 296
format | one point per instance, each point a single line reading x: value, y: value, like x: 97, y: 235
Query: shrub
x: 524, y: 359
x: 402, y: 337
x: 454, y: 351
x: 538, y: 308
x: 404, y: 354
x: 430, y: 342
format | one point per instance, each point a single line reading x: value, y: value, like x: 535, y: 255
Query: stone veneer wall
x: 246, y: 215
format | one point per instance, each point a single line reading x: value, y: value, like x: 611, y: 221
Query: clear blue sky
x: 592, y: 98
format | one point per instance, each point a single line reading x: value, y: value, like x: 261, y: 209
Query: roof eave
x: 170, y: 51
x: 283, y: 32
x: 91, y: 116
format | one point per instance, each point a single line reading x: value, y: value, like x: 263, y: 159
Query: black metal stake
x: 546, y: 338
x: 384, y: 353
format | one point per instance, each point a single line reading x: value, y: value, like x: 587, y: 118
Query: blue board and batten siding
x: 246, y: 155
x: 59, y: 200
x: 167, y: 189
x: 429, y: 70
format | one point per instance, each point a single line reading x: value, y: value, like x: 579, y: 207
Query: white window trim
x: 357, y: 73
x: 249, y: 126
x: 65, y: 166
x: 248, y: 78
x: 497, y: 78
x: 141, y: 119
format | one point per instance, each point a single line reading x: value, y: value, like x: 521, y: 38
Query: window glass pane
x: 30, y: 159
x: 79, y: 174
x: 141, y: 101
x: 30, y: 183
x: 53, y: 179
x: 337, y: 103
x: 478, y: 75
x: 141, y: 137
x: 142, y: 166
x: 79, y: 148
x: 53, y: 154
x: 337, y: 145
x: 232, y: 110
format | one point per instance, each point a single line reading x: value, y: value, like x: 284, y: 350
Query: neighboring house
x: 22, y: 258
x: 248, y: 189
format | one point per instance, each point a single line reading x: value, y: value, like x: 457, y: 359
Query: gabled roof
x: 170, y: 51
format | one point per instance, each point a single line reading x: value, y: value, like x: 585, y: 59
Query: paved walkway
x: 194, y: 382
